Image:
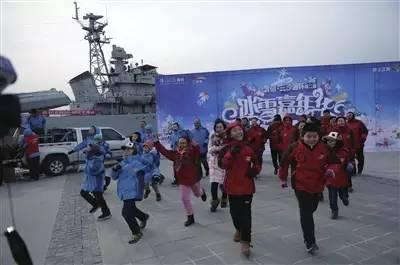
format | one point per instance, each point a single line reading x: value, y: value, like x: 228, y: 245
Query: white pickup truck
x: 54, y: 147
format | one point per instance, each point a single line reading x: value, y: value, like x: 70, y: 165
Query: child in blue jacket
x: 130, y: 176
x: 92, y: 186
x: 152, y: 176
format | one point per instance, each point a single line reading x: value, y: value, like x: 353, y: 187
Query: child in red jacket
x: 186, y: 160
x: 241, y: 165
x: 309, y: 160
x: 338, y: 159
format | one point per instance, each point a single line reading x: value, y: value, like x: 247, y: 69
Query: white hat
x: 333, y: 135
x: 128, y: 145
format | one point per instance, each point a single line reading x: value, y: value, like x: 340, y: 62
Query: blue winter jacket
x: 94, y: 172
x: 36, y: 122
x: 201, y: 135
x: 130, y: 184
x: 88, y: 140
x: 152, y: 159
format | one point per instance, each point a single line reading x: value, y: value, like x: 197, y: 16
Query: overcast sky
x: 47, y: 47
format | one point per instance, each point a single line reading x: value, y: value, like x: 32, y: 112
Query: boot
x: 214, y: 205
x: 158, y: 197
x: 245, y: 248
x: 236, y: 236
x: 334, y: 215
x: 224, y: 202
x: 190, y: 220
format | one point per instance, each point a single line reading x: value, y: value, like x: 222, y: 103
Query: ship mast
x: 96, y: 37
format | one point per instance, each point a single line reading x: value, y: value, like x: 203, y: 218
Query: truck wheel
x: 55, y: 165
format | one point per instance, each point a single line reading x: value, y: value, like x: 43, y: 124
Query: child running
x: 309, y: 159
x: 152, y: 177
x: 339, y: 162
x: 186, y: 160
x: 240, y: 163
x: 130, y: 176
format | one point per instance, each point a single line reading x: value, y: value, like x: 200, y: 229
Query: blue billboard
x: 371, y: 90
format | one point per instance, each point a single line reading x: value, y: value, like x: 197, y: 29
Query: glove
x: 117, y: 167
x: 284, y: 184
x: 329, y: 173
x: 71, y: 152
x: 235, y: 150
x: 349, y: 168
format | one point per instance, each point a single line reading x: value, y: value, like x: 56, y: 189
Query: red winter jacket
x: 287, y: 135
x: 325, y: 124
x: 186, y: 164
x: 309, y: 166
x: 274, y: 134
x: 256, y: 137
x: 338, y: 162
x: 347, y: 137
x: 238, y: 180
x: 360, y: 132
x: 31, y: 145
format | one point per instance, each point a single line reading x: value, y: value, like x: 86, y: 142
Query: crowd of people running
x: 319, y: 153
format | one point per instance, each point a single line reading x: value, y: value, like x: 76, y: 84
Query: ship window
x: 111, y: 135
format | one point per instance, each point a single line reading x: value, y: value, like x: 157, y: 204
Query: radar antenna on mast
x: 96, y: 37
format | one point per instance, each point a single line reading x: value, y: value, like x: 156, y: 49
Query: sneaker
x: 190, y: 220
x: 135, y: 238
x: 236, y: 236
x: 204, y: 196
x: 346, y: 202
x: 146, y: 193
x: 142, y: 224
x: 94, y: 209
x: 334, y: 215
x: 214, y: 205
x: 158, y: 197
x: 104, y: 217
x: 174, y: 183
x: 310, y: 249
x: 224, y: 203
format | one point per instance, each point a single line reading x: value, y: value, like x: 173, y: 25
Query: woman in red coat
x: 186, y: 167
x: 360, y: 133
x: 240, y: 163
x: 338, y: 160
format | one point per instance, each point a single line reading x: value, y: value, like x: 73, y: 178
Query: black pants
x: 214, y: 191
x: 276, y: 157
x: 203, y: 161
x: 130, y: 212
x: 360, y: 159
x: 333, y: 196
x: 96, y: 200
x: 308, y: 204
x: 34, y: 167
x: 240, y: 209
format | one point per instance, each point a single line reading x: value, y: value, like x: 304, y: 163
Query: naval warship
x: 119, y: 87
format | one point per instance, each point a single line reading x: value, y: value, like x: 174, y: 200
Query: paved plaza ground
x: 56, y: 225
